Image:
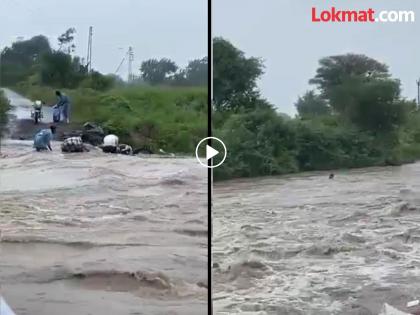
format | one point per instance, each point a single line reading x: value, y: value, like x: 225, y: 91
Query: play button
x: 211, y: 154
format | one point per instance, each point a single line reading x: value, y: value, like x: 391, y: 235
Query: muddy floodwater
x: 104, y: 234
x: 309, y: 245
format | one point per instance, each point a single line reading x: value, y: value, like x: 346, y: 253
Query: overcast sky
x: 154, y: 28
x: 281, y: 32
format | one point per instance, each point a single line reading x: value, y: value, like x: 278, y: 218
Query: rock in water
x: 92, y: 134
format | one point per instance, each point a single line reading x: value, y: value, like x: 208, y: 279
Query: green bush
x: 4, y: 107
x: 262, y: 143
x: 259, y: 143
x: 97, y: 81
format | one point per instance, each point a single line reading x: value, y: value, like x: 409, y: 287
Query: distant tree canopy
x: 311, y: 104
x: 165, y: 71
x: 61, y: 69
x: 361, y: 90
x: 195, y: 74
x: 34, y: 62
x: 336, y: 70
x: 17, y: 62
x: 234, y: 77
x: 156, y: 71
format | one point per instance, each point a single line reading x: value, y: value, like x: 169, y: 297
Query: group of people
x: 62, y: 107
x: 43, y: 138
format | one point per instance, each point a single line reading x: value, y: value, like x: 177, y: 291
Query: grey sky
x: 281, y: 32
x: 154, y: 28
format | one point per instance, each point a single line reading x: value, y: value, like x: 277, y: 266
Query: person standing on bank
x: 64, y: 104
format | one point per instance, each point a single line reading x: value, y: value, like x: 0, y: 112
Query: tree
x: 373, y: 105
x: 18, y: 61
x: 360, y: 89
x: 60, y: 69
x: 311, y: 104
x: 155, y: 71
x: 65, y: 41
x: 234, y: 76
x: 335, y: 70
x: 196, y: 72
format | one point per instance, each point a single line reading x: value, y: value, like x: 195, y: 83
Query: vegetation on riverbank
x: 168, y: 118
x: 165, y: 107
x: 4, y: 107
x: 355, y: 117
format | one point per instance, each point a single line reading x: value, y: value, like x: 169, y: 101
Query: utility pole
x: 418, y: 93
x: 130, y: 64
x: 89, y: 52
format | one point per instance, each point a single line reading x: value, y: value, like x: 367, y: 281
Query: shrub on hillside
x: 4, y: 107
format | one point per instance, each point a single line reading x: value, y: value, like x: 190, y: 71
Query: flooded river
x: 98, y: 233
x: 309, y: 245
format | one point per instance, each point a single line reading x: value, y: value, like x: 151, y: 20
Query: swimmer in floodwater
x: 331, y: 176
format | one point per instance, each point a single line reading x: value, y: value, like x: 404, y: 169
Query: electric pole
x: 89, y: 52
x: 130, y: 64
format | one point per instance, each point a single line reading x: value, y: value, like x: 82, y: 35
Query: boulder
x: 92, y: 134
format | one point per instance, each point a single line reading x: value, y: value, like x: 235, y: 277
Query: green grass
x: 170, y: 118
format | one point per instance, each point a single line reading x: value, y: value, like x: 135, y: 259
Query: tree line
x: 34, y: 62
x: 355, y: 116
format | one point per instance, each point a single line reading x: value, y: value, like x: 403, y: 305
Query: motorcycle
x: 36, y: 112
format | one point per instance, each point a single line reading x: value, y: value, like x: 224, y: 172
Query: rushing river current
x: 104, y: 234
x: 309, y: 245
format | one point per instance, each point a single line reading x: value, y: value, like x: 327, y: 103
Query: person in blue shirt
x: 42, y: 140
x: 64, y: 104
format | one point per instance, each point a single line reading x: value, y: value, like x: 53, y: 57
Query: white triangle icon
x: 210, y: 152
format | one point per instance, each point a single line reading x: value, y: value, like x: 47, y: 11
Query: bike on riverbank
x: 36, y: 112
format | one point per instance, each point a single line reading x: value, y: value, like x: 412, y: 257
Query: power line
x: 118, y: 68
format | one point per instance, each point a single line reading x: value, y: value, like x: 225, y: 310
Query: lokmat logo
x: 362, y: 16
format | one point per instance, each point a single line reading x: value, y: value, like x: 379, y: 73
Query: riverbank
x: 264, y: 143
x: 170, y: 118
